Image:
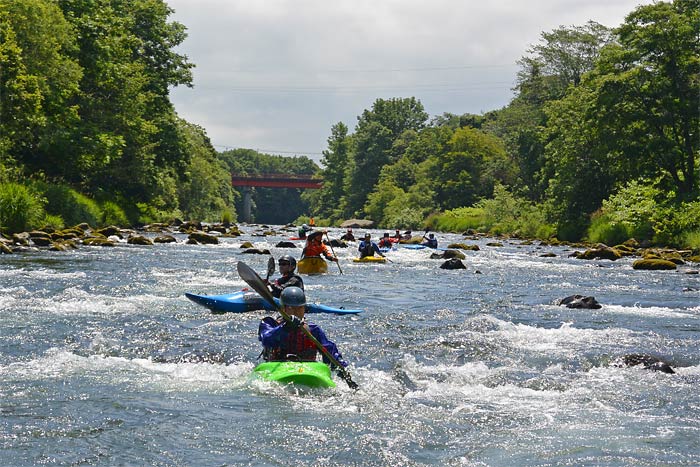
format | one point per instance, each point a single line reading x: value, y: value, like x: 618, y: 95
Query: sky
x: 276, y: 75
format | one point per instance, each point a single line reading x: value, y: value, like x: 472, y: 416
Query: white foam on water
x: 138, y: 373
x: 653, y: 311
x: 555, y: 341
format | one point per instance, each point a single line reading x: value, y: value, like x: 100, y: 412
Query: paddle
x: 270, y: 268
x: 333, y: 251
x: 253, y: 280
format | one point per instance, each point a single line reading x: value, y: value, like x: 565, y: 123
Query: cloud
x: 276, y: 75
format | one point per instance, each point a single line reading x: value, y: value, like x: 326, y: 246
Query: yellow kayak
x: 370, y: 259
x: 312, y: 265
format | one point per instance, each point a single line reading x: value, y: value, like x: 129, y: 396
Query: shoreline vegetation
x: 600, y: 143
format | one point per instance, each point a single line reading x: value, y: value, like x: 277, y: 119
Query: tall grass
x: 21, y: 208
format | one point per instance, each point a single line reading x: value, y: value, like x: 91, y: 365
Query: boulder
x: 463, y: 246
x: 358, y: 224
x: 651, y: 264
x: 453, y: 263
x: 285, y: 244
x: 139, y: 240
x: 98, y: 241
x: 204, y: 238
x: 256, y: 251
x: 448, y: 254
x: 580, y: 301
x: 648, y: 362
x: 600, y: 252
x: 164, y: 239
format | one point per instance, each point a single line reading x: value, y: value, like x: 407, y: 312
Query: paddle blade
x: 255, y: 282
x: 270, y: 267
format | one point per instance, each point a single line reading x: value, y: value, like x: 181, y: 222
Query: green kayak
x: 312, y: 374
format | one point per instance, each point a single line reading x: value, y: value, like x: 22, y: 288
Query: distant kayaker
x: 431, y: 241
x: 287, y: 265
x: 397, y: 235
x: 348, y: 236
x: 385, y: 241
x: 286, y: 341
x: 407, y: 235
x: 367, y: 247
x: 302, y: 230
x: 315, y: 247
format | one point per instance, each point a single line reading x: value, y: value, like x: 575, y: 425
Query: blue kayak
x: 244, y: 300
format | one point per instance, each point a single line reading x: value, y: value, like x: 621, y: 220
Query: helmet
x: 292, y: 296
x: 305, y: 227
x: 368, y: 235
x: 292, y: 262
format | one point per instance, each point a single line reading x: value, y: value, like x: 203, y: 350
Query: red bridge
x: 277, y: 181
x: 270, y: 181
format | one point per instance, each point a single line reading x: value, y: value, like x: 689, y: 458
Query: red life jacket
x: 296, y: 347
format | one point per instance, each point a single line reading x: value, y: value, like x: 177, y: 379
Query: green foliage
x: 227, y: 217
x: 113, y: 214
x: 52, y: 221
x: 459, y: 220
x: 647, y: 105
x: 691, y: 240
x: 604, y: 230
x: 506, y: 213
x: 72, y: 206
x: 674, y: 223
x: 21, y: 208
x: 373, y: 146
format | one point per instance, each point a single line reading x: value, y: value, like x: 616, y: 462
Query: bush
x: 458, y: 220
x: 112, y: 214
x: 52, y: 221
x: 21, y: 208
x: 72, y: 206
x: 227, y: 217
x: 605, y: 230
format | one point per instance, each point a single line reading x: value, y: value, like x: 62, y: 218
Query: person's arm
x: 270, y: 332
x: 327, y: 253
x: 329, y: 345
x: 376, y: 249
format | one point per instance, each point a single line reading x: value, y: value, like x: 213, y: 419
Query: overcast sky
x: 276, y: 75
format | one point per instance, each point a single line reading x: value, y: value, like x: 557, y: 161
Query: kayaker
x: 407, y: 235
x: 349, y: 236
x: 286, y: 341
x: 385, y: 241
x: 431, y: 241
x: 397, y: 235
x: 302, y: 231
x: 367, y: 247
x: 287, y: 265
x: 315, y: 247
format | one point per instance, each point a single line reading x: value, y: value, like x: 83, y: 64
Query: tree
x: 649, y: 92
x: 38, y: 81
x: 376, y: 131
x: 325, y: 201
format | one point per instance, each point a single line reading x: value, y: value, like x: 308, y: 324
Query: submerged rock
x: 580, y: 301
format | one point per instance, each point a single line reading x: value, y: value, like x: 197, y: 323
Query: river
x: 105, y: 362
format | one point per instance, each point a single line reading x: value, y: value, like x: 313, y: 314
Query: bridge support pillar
x: 247, y: 203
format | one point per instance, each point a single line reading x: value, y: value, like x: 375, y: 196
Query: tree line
x: 600, y: 140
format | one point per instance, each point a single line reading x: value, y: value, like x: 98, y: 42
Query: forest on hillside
x: 600, y: 141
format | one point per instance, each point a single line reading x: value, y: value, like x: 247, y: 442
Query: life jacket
x: 366, y: 249
x: 296, y: 347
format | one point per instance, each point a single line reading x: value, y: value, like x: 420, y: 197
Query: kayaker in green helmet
x: 286, y: 341
x: 287, y: 265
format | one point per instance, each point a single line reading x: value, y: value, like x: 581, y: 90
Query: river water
x: 105, y: 362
